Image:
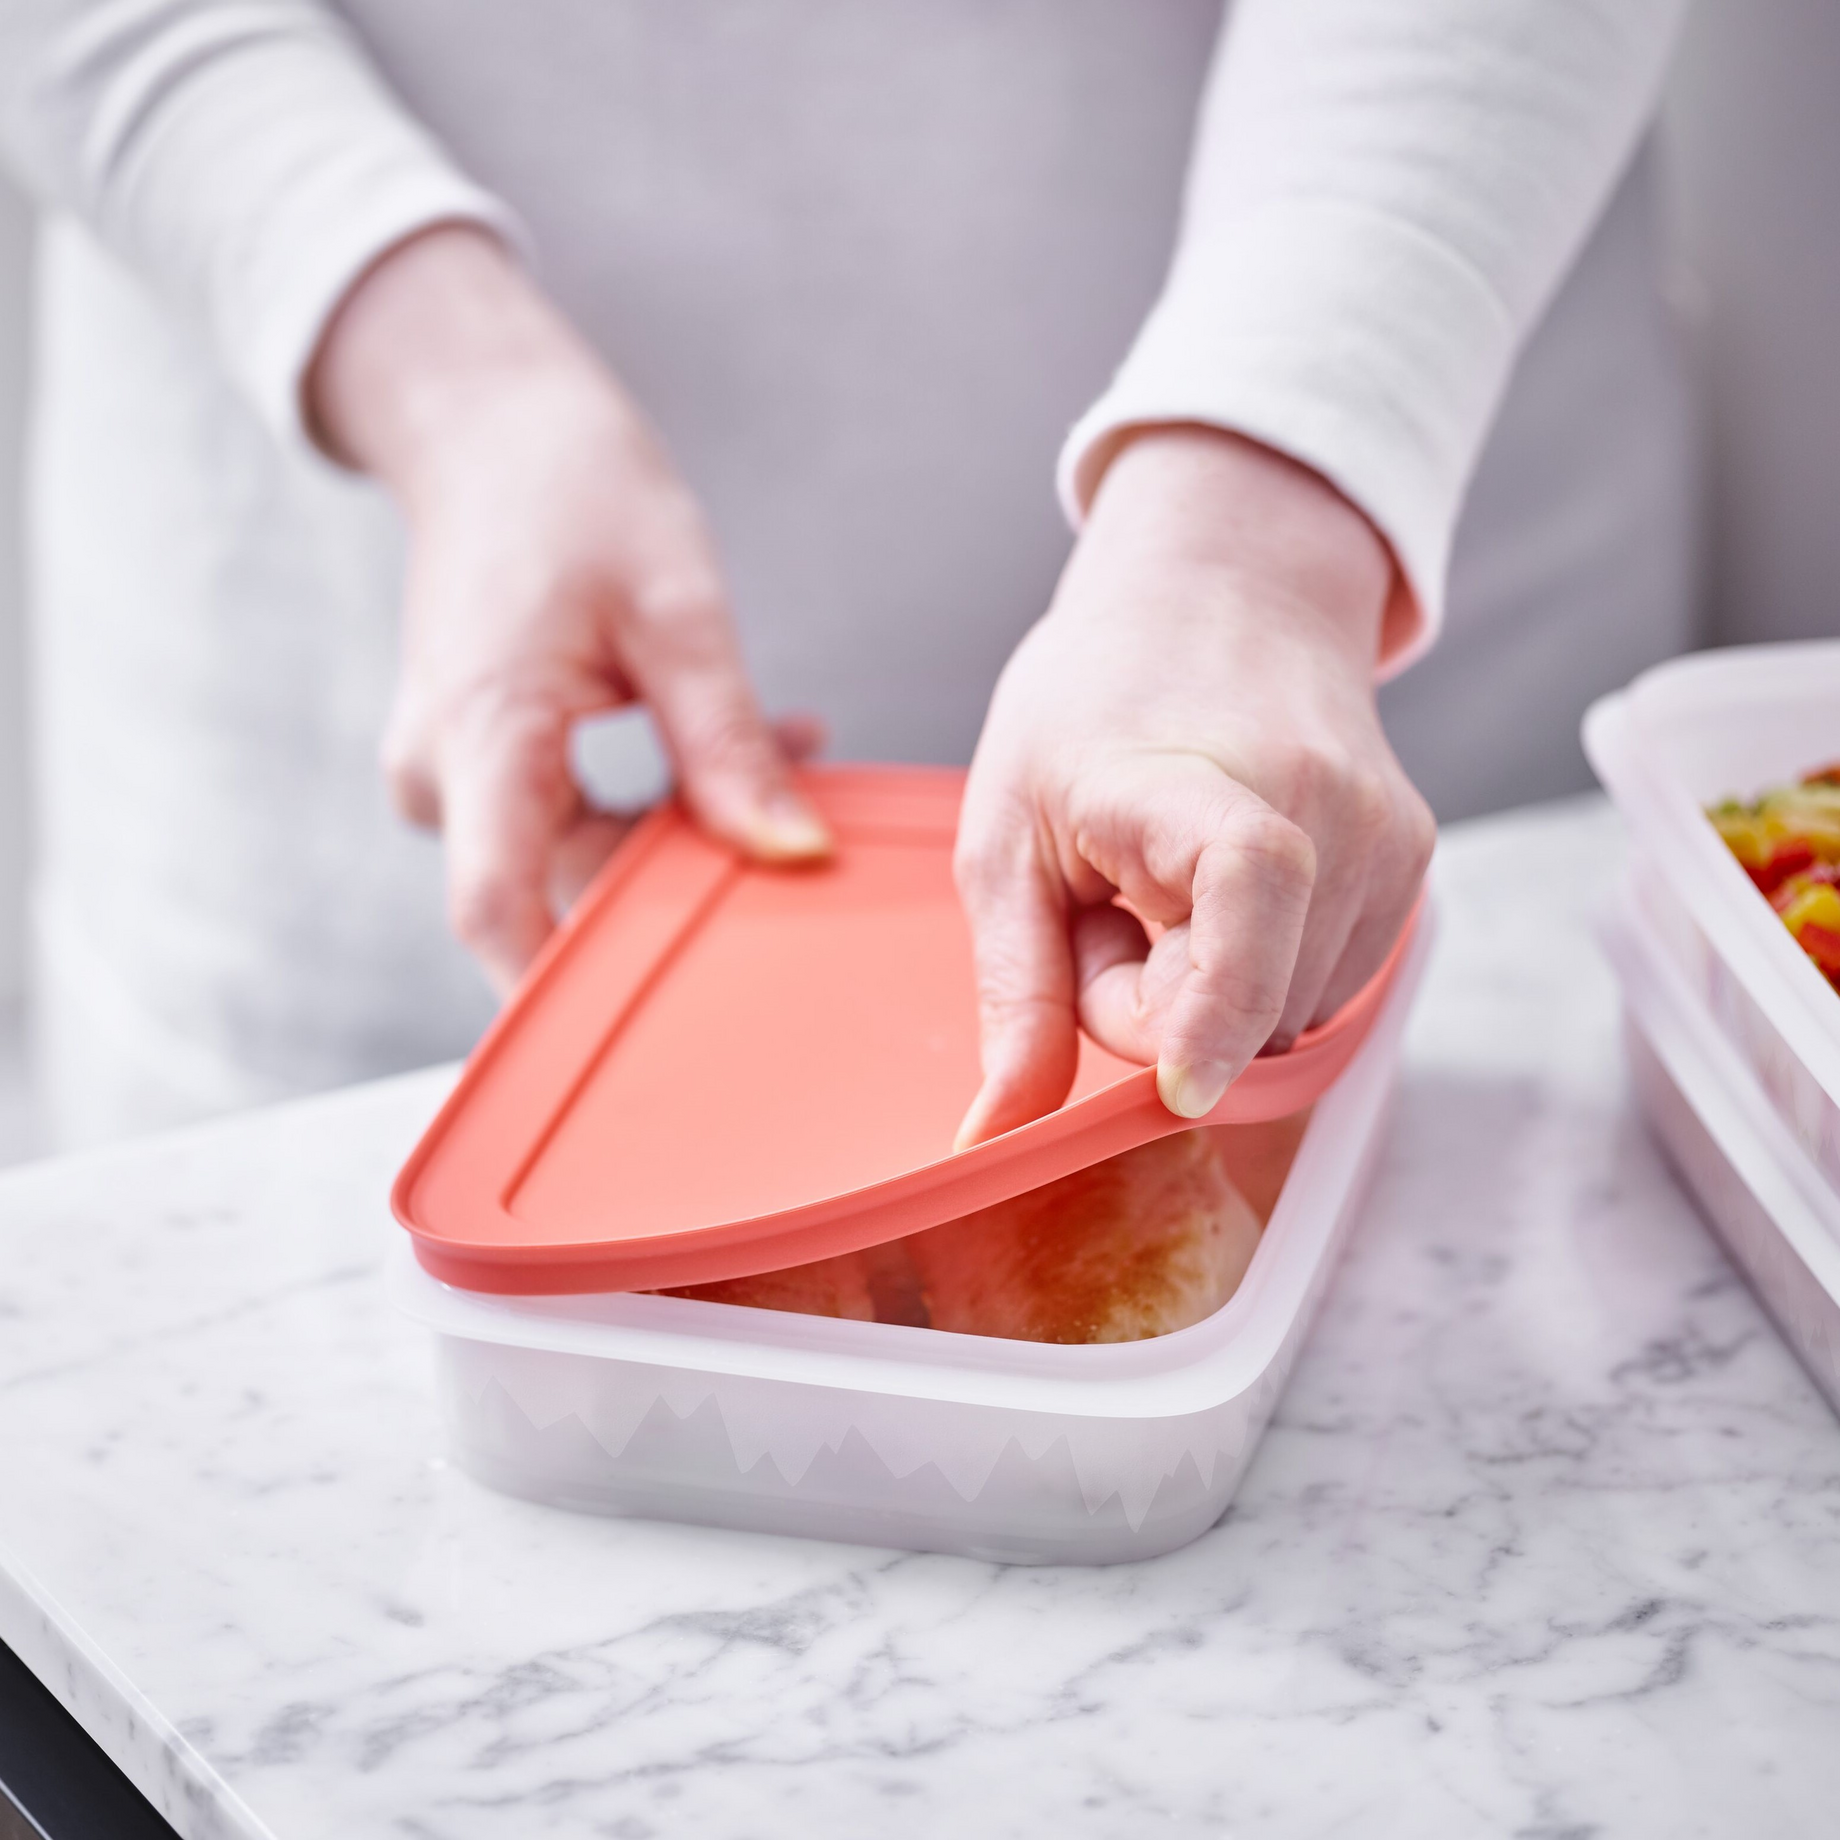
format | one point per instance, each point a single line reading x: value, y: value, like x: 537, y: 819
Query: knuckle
x: 976, y: 866
x: 1343, y: 782
x: 1323, y: 774
x: 1238, y: 1013
x: 1420, y: 833
x: 732, y: 732
x: 1278, y: 850
x: 725, y: 735
x: 482, y: 910
x: 414, y: 797
x: 678, y: 606
x: 1251, y: 1005
x: 1006, y: 1008
x: 511, y: 734
x: 987, y: 860
x: 1309, y: 774
x: 1371, y: 805
x: 408, y: 777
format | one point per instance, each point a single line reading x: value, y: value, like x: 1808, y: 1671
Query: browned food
x: 1145, y: 1243
x: 825, y: 1287
x: 1258, y: 1157
x: 1148, y: 1242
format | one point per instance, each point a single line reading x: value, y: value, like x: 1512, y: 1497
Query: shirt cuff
x: 248, y: 159
x: 293, y: 288
x: 1355, y: 343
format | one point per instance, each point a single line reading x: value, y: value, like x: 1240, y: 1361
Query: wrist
x: 433, y: 347
x: 1274, y: 533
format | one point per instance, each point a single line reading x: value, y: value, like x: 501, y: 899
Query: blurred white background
x: 16, y: 1128
x: 1753, y: 142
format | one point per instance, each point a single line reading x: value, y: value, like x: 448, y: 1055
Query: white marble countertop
x: 1544, y: 1540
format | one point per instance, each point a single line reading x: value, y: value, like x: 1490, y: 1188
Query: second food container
x: 1681, y: 738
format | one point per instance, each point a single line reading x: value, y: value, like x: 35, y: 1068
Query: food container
x: 1684, y: 736
x: 586, y: 1159
x: 895, y: 1436
x: 1775, y: 1211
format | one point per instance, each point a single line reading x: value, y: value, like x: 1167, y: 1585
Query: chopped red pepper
x: 1783, y: 895
x: 1822, y: 944
x: 1788, y: 842
x: 1787, y: 859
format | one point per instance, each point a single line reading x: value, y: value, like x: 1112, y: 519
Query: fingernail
x: 788, y: 830
x: 1191, y: 1092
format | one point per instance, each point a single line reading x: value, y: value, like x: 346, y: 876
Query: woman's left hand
x: 1191, y: 726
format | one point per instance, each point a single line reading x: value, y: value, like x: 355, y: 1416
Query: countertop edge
x: 154, y: 1756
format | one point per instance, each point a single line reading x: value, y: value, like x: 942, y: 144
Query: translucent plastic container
x: 895, y: 1436
x: 1683, y: 736
x: 1775, y: 1211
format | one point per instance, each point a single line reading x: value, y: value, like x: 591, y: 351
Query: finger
x: 729, y: 764
x: 1193, y: 848
x: 1333, y: 915
x: 1027, y: 1037
x: 1110, y: 948
x: 1251, y: 893
x: 407, y: 771
x: 587, y: 843
x: 579, y: 853
x: 1390, y: 896
x: 801, y: 735
x: 1125, y: 983
x: 1359, y: 829
x: 507, y: 795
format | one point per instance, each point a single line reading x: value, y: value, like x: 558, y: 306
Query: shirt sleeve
x: 1383, y: 196
x: 241, y: 154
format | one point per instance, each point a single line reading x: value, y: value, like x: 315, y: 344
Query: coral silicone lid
x: 716, y: 1068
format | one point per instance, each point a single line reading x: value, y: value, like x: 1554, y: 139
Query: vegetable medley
x: 1788, y: 842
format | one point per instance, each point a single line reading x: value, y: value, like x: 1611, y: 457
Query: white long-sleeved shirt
x: 865, y: 265
x: 1383, y: 196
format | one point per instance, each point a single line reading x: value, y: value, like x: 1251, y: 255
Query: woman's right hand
x: 558, y: 566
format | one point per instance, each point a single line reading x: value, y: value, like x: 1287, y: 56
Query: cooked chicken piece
x: 825, y: 1287
x: 1150, y: 1241
x: 895, y: 1285
x: 1147, y: 1242
x: 1259, y: 1157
